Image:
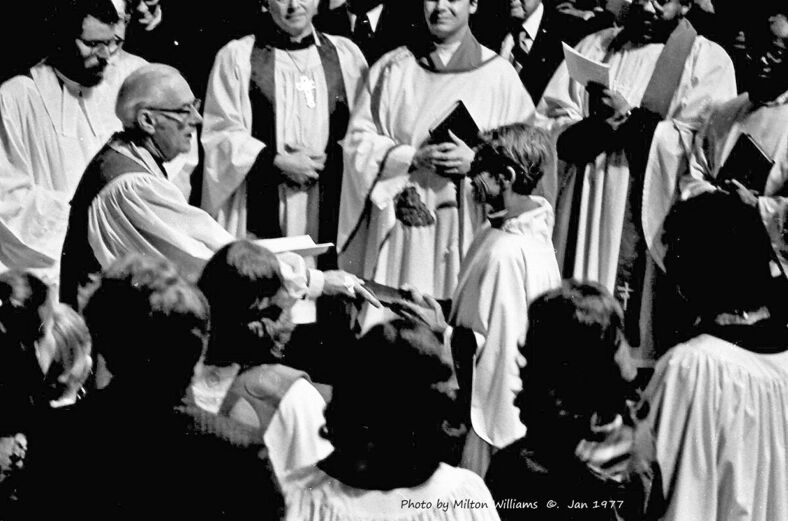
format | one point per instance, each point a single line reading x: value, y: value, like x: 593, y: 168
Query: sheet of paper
x: 300, y: 244
x: 584, y: 70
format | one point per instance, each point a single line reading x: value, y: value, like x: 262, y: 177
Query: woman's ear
x: 509, y: 176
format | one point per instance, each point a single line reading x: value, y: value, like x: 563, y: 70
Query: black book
x: 460, y: 122
x: 747, y: 164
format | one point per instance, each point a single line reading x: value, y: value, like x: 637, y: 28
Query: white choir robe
x: 708, y: 78
x: 768, y: 126
x: 398, y: 105
x: 230, y: 149
x: 505, y: 269
x: 146, y: 213
x: 50, y: 129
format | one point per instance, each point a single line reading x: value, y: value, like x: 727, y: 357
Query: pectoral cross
x: 624, y: 293
x: 308, y: 87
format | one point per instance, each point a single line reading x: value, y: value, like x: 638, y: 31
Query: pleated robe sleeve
x: 33, y: 212
x: 230, y: 149
x: 147, y: 214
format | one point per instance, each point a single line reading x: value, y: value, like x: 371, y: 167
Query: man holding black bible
x: 623, y: 146
x: 406, y: 212
x: 751, y: 130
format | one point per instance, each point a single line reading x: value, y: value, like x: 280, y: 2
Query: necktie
x: 522, y: 45
x: 362, y: 33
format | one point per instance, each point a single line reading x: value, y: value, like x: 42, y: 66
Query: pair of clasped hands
x: 449, y: 159
x: 607, y: 104
x: 300, y: 168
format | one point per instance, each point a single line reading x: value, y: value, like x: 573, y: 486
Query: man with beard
x: 761, y: 113
x: 407, y: 216
x: 622, y: 149
x: 52, y: 121
x: 241, y: 374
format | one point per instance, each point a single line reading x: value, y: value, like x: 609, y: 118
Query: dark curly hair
x: 575, y: 363
x: 250, y: 308
x: 392, y: 400
x: 149, y: 325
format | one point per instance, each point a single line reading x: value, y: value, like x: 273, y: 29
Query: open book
x: 747, y: 164
x: 300, y: 244
x: 460, y: 122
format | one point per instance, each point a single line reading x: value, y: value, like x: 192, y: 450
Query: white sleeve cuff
x: 316, y: 283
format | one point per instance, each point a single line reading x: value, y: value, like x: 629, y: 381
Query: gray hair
x: 142, y: 88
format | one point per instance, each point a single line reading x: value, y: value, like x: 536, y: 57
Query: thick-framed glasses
x: 109, y: 46
x: 189, y: 109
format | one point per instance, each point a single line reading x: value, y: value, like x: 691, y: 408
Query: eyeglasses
x: 188, y: 109
x: 110, y: 46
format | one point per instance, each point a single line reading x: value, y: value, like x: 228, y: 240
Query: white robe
x: 504, y: 271
x: 230, y: 149
x: 719, y: 415
x: 708, y: 78
x: 145, y: 213
x: 768, y: 125
x: 399, y: 104
x: 50, y: 129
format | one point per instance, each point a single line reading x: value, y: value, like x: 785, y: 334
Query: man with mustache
x: 761, y: 112
x: 53, y: 119
x: 622, y: 149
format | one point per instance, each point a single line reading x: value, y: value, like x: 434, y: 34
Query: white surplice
x: 230, y: 149
x: 398, y: 105
x: 768, y: 126
x: 146, y: 213
x: 50, y: 129
x: 719, y: 415
x: 505, y: 269
x: 707, y: 78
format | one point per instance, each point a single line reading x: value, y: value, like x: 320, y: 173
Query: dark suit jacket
x: 546, y: 53
x: 398, y: 21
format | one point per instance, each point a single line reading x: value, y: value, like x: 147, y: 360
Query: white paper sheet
x: 584, y: 70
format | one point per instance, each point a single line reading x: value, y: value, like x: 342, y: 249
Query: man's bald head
x: 148, y: 86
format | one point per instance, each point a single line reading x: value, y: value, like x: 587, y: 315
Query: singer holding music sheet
x: 399, y: 215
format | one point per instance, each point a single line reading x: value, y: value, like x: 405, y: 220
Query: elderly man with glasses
x: 53, y: 119
x: 125, y: 202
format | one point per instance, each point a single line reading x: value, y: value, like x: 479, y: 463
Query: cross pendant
x: 308, y: 87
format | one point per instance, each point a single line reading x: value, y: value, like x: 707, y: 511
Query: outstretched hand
x: 422, y: 308
x: 342, y: 283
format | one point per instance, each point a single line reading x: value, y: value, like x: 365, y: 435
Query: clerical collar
x: 271, y: 34
x: 467, y: 57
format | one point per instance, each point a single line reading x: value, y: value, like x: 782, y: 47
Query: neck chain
x: 305, y: 84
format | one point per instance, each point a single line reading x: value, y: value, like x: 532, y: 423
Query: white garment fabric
x: 768, y: 126
x: 505, y: 269
x: 719, y: 414
x: 230, y: 149
x: 50, y: 129
x: 292, y: 437
x: 708, y: 77
x: 531, y: 26
x: 146, y: 213
x: 398, y: 105
x: 312, y: 495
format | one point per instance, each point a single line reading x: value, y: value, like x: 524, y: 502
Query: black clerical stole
x: 263, y: 181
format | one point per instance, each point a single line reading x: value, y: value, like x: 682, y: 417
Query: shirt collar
x: 533, y: 22
x: 373, y: 15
